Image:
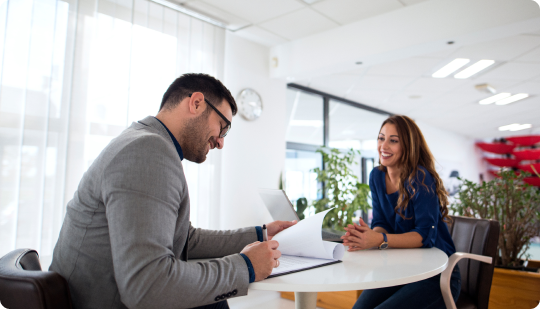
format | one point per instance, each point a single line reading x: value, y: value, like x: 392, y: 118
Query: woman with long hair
x: 409, y: 211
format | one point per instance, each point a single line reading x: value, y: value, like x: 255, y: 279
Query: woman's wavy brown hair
x: 414, y: 152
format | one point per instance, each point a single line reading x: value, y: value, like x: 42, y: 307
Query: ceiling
x: 405, y: 85
x: 273, y: 22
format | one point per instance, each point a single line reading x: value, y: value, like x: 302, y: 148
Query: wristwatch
x: 384, y: 244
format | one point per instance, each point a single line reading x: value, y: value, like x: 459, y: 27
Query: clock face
x: 249, y: 104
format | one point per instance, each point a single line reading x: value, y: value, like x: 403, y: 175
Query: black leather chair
x: 476, y: 243
x: 23, y: 285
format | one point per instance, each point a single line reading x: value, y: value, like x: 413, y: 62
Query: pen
x: 265, y: 235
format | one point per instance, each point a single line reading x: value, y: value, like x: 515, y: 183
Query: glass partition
x: 300, y: 180
x: 304, y: 118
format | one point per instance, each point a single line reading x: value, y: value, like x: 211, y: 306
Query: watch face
x: 249, y: 104
x: 384, y: 246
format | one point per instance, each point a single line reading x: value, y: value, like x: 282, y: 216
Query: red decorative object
x: 499, y: 148
x: 528, y: 168
x: 528, y: 154
x: 534, y: 181
x: 527, y: 140
x: 502, y: 162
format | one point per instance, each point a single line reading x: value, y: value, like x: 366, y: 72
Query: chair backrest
x: 478, y: 236
x: 24, y: 285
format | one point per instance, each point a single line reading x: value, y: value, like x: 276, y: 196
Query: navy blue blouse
x: 423, y: 210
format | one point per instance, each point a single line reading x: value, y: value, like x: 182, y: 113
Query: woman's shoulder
x: 424, y: 176
x: 376, y: 172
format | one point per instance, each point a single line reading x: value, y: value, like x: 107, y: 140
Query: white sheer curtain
x: 73, y: 75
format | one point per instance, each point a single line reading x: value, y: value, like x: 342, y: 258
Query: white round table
x: 360, y: 270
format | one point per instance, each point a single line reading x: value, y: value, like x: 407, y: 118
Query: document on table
x: 302, y: 247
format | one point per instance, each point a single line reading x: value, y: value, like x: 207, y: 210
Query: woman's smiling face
x: 388, y: 146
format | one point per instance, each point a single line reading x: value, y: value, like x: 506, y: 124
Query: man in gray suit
x: 126, y: 235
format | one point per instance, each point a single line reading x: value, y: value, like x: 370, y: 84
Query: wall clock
x: 249, y: 104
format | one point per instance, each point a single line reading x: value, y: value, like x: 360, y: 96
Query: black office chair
x: 476, y: 241
x: 23, y: 285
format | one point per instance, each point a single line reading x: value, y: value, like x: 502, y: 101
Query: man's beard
x: 195, y: 141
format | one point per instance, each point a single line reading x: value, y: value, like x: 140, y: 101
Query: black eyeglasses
x: 223, y: 132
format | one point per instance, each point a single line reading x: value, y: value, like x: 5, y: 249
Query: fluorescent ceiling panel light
x: 495, y: 98
x: 450, y: 68
x: 307, y: 123
x: 515, y: 127
x: 521, y: 127
x: 508, y: 127
x: 512, y: 99
x: 473, y: 69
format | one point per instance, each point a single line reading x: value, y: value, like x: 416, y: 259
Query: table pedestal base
x: 305, y: 300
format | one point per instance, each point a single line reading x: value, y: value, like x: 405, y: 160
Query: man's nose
x: 220, y: 142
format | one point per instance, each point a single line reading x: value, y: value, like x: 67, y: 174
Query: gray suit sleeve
x: 211, y: 243
x: 142, y: 192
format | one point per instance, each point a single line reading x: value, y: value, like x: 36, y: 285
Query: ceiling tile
x: 394, y: 83
x: 532, y: 88
x: 411, y: 2
x: 532, y: 56
x: 369, y: 97
x: 299, y: 24
x: 400, y: 106
x: 233, y: 22
x: 257, y: 10
x: 261, y: 36
x: 500, y: 50
x: 534, y: 33
x: 348, y: 11
x: 417, y: 66
x: 444, y: 52
x: 338, y: 84
x: 513, y: 71
x: 430, y: 84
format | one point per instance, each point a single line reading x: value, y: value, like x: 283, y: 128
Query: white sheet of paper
x: 304, y: 239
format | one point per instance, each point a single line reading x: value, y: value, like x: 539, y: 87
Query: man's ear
x: 196, y: 103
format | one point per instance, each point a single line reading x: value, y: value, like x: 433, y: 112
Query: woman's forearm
x: 405, y: 240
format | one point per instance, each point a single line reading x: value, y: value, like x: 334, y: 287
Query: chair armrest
x: 447, y: 273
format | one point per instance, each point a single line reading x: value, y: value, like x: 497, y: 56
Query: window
x: 319, y: 119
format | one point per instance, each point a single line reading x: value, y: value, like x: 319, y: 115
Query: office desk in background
x: 360, y: 270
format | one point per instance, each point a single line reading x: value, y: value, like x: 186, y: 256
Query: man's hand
x: 263, y: 257
x: 278, y: 226
x: 359, y: 237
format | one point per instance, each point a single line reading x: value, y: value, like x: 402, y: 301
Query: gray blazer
x: 126, y: 235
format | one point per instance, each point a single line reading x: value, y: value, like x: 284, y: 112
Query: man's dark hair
x: 214, y: 91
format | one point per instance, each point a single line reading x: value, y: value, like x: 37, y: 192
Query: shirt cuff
x: 250, y: 268
x: 259, y: 233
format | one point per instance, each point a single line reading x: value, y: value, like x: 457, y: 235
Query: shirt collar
x: 176, y: 144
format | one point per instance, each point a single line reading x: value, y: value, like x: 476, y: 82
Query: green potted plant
x: 512, y: 202
x: 342, y: 189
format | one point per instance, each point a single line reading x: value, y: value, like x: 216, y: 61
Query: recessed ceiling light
x: 495, y: 98
x: 512, y: 99
x: 450, y: 68
x: 473, y: 69
x: 515, y: 127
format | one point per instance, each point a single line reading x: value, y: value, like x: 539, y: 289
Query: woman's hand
x: 360, y: 237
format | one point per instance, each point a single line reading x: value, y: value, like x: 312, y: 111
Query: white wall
x: 254, y: 152
x: 453, y: 151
